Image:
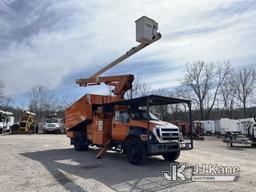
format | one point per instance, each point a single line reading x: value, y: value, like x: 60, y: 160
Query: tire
x: 1, y: 131
x: 136, y: 152
x: 171, y: 156
x: 81, y: 143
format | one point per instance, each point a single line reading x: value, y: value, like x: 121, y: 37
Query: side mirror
x: 127, y: 120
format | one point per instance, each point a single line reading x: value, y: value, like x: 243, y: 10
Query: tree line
x: 216, y: 90
x: 40, y: 101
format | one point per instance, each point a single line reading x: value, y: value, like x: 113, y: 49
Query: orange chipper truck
x: 113, y: 123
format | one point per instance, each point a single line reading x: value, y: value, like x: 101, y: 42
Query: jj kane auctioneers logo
x: 200, y: 173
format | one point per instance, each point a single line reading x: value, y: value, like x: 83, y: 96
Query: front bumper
x: 161, y: 148
x: 52, y: 129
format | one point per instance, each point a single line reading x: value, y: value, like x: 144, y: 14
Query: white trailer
x: 225, y: 125
x: 243, y: 133
x: 245, y: 125
x: 209, y: 126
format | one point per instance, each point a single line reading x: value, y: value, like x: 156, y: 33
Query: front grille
x: 50, y: 125
x: 168, y: 134
x: 170, y: 129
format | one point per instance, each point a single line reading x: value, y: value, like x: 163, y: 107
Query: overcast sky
x: 54, y: 42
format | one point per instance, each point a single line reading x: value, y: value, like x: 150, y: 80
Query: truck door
x: 120, y: 128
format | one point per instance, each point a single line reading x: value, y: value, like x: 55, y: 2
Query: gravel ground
x: 49, y: 163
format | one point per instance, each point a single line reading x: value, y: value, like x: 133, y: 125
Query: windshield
x: 52, y: 121
x: 142, y: 115
x: 2, y: 118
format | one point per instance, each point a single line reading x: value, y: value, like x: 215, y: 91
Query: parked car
x: 53, y: 125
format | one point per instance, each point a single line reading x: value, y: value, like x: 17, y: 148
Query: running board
x: 103, y: 150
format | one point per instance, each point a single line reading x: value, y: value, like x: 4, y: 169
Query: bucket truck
x: 113, y: 123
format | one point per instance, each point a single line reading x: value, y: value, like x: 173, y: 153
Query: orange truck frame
x: 111, y: 122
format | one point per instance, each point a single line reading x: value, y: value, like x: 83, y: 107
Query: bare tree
x: 205, y: 81
x: 139, y: 89
x: 162, y: 111
x: 62, y: 103
x: 1, y: 92
x: 41, y: 101
x: 182, y: 92
x: 227, y: 97
x: 244, y: 84
x: 4, y: 100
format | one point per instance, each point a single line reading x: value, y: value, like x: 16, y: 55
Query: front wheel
x: 136, y: 152
x: 171, y: 156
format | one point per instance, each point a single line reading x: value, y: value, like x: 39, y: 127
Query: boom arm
x: 126, y: 55
x: 121, y: 83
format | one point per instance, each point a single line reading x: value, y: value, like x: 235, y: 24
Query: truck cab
x: 6, y: 121
x: 28, y: 123
x: 160, y: 131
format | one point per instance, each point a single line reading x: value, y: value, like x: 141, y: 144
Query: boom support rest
x: 121, y: 83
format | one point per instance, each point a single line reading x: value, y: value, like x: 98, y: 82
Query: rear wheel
x: 81, y: 143
x: 136, y: 152
x: 171, y: 156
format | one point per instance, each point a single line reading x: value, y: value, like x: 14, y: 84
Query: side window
x: 121, y: 116
x: 125, y: 117
x: 117, y: 116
